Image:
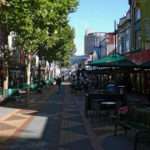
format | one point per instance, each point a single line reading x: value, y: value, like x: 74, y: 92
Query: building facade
x: 140, y: 39
x: 107, y: 45
x: 136, y: 41
x: 140, y: 44
x: 92, y: 42
x: 124, y: 34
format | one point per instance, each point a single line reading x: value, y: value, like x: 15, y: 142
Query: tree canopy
x: 2, y: 2
x: 41, y: 22
x: 64, y: 47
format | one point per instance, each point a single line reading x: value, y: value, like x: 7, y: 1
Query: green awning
x: 113, y: 60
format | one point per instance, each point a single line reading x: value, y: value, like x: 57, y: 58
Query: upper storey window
x: 137, y: 14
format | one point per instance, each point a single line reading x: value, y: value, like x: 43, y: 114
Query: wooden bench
x: 137, y: 119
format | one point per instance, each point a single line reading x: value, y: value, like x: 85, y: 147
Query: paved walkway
x: 57, y: 124
x: 55, y: 121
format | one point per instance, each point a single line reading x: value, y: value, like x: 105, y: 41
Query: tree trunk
x: 5, y: 80
x: 28, y: 71
x: 45, y: 74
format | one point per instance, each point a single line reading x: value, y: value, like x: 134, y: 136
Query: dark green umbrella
x: 113, y: 60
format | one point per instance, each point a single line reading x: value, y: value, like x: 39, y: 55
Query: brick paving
x: 55, y: 121
x: 74, y: 132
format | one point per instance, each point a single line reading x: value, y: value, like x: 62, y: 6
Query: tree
x: 21, y: 23
x: 64, y: 47
x: 2, y: 2
x: 36, y: 23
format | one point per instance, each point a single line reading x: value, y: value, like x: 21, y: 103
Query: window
x: 123, y: 44
x: 138, y: 40
x: 127, y: 40
x: 137, y: 14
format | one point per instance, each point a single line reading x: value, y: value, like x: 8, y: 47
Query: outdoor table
x: 121, y: 89
x: 101, y: 91
x: 22, y: 92
x: 103, y: 102
x: 95, y: 106
x: 108, y: 106
x: 97, y: 102
x: 108, y: 103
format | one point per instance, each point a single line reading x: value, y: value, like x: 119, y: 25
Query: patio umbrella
x: 113, y: 60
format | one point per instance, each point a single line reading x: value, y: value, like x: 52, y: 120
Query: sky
x: 96, y: 16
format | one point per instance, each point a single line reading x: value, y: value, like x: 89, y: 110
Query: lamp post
x: 115, y: 31
x: 91, y: 55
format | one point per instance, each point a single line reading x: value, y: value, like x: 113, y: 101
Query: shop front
x: 16, y: 75
x: 141, y: 77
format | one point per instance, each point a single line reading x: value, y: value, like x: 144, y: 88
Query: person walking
x: 58, y: 83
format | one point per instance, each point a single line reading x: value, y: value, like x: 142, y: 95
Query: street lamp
x: 91, y: 57
x: 115, y: 31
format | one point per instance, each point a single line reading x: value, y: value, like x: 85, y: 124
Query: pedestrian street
x: 57, y: 124
x: 55, y: 120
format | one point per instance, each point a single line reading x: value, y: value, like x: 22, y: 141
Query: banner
x: 144, y: 6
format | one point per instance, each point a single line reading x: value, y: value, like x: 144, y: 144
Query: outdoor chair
x: 18, y: 95
x: 136, y: 119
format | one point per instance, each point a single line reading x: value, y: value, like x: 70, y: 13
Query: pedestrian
x: 63, y: 78
x: 85, y: 84
x: 58, y: 83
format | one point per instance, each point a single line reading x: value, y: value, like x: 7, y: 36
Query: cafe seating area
x: 121, y: 112
x: 117, y: 97
x: 137, y: 119
x: 22, y: 90
x: 103, y: 100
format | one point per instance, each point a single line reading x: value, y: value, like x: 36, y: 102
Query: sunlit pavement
x: 12, y: 121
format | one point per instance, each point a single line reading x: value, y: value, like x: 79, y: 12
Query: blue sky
x: 97, y: 16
